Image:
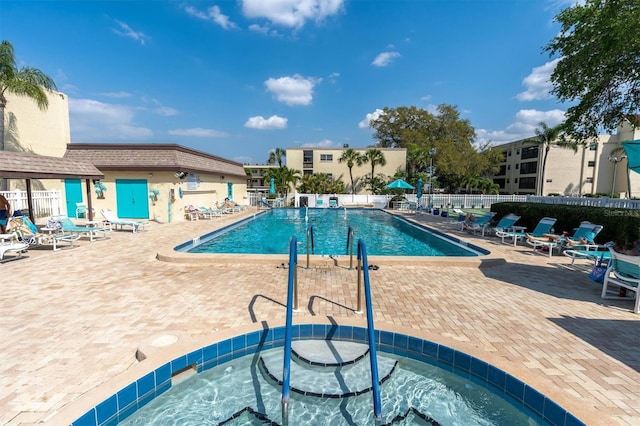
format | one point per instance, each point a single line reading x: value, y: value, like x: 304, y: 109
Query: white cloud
x: 213, y: 14
x: 291, y: 13
x: 333, y: 77
x: 294, y: 90
x: 538, y: 83
x: 116, y: 94
x: 325, y: 143
x: 385, y: 58
x: 198, y: 132
x: 525, y: 125
x: 261, y: 123
x: 93, y: 121
x: 364, y: 124
x: 126, y: 31
x: 165, y: 111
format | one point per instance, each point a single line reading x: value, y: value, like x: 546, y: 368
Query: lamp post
x: 615, y: 160
x: 432, y: 152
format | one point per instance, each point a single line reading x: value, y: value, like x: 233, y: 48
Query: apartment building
x: 326, y: 160
x: 594, y: 168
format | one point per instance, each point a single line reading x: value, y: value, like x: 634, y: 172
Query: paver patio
x: 72, y: 320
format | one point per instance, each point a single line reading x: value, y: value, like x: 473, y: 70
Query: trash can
x: 304, y: 201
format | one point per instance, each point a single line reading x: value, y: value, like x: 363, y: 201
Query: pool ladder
x: 363, y: 272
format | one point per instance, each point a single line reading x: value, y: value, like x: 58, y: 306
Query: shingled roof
x: 166, y: 157
x: 23, y: 165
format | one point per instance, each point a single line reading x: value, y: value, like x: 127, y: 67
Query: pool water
x: 384, y: 233
x: 245, y: 391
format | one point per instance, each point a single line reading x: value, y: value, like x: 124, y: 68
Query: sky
x: 239, y: 78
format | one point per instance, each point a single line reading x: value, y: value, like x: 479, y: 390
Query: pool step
x: 328, y: 353
x: 330, y: 380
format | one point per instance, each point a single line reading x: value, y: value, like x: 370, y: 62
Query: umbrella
x: 419, y: 195
x: 632, y: 149
x: 272, y: 187
x: 399, y: 184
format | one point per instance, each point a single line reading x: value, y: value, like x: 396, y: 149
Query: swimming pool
x: 472, y: 383
x: 385, y: 234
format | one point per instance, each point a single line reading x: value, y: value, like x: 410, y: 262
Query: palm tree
x: 545, y: 137
x: 27, y: 81
x: 351, y: 157
x: 374, y: 157
x: 276, y: 155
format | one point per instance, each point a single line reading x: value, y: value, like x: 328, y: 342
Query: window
x: 528, y: 168
x: 508, y: 166
x: 507, y: 180
x: 515, y: 180
x: 330, y: 176
x: 509, y: 154
x: 517, y: 166
x: 517, y: 152
x: 326, y: 158
x: 527, y: 183
x: 530, y: 152
x: 593, y: 147
x: 589, y: 180
x: 502, y: 171
x: 591, y: 164
x: 499, y: 182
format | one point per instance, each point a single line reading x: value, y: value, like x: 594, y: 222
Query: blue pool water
x: 384, y: 233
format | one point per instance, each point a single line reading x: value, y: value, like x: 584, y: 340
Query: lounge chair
x: 582, y: 236
x: 624, y: 272
x: 114, y: 221
x: 506, y: 224
x: 8, y: 243
x: 543, y: 227
x: 70, y: 228
x: 589, y: 252
x: 479, y: 224
x: 27, y: 232
x: 207, y: 213
x: 333, y: 203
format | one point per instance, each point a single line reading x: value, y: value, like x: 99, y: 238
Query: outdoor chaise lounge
x: 582, y: 236
x: 114, y: 221
x: 27, y: 232
x: 478, y: 224
x: 70, y: 228
x: 543, y: 227
x: 8, y: 243
x: 592, y: 252
x: 624, y: 272
x: 505, y: 224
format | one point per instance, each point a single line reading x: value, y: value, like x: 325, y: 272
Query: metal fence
x: 45, y: 203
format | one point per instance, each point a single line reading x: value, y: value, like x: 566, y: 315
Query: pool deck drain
x: 72, y: 319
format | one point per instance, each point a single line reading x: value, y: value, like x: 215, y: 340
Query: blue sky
x: 239, y: 78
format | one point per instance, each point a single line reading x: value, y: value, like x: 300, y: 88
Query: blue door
x: 131, y: 198
x: 73, y: 195
x: 230, y: 190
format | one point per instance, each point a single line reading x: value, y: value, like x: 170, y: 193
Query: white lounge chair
x: 115, y: 221
x: 624, y: 272
x: 8, y: 243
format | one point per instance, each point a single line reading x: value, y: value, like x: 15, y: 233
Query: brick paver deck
x: 72, y: 320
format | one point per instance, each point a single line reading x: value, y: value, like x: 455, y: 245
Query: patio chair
x: 25, y: 231
x: 506, y: 224
x: 9, y: 243
x: 479, y: 224
x: 582, y: 236
x: 543, y: 227
x: 114, y: 221
x: 70, y: 228
x: 81, y: 210
x: 589, y: 252
x: 624, y: 272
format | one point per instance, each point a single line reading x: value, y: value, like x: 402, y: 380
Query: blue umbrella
x: 419, y: 195
x: 272, y: 187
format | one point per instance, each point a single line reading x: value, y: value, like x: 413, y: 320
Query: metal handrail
x: 363, y: 267
x: 288, y: 331
x: 313, y: 247
x: 350, y: 240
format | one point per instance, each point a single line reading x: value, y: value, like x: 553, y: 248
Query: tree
x: 374, y: 157
x: 27, y: 81
x: 599, y: 65
x: 545, y: 137
x: 276, y: 155
x: 351, y: 157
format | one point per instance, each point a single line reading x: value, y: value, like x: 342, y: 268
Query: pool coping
x: 185, y: 351
x: 169, y: 254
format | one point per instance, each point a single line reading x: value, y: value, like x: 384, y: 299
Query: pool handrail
x: 350, y: 240
x: 288, y: 331
x: 309, y: 238
x: 363, y: 267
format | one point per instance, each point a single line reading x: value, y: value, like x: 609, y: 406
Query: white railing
x: 45, y: 203
x: 613, y: 203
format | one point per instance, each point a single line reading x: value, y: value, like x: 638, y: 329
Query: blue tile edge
x: 134, y: 396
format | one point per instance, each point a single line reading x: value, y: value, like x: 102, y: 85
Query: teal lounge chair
x: 543, y: 227
x: 506, y: 223
x: 70, y: 228
x: 624, y: 272
x: 592, y: 252
x: 583, y: 236
x: 27, y: 232
x: 478, y: 224
x: 114, y: 221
